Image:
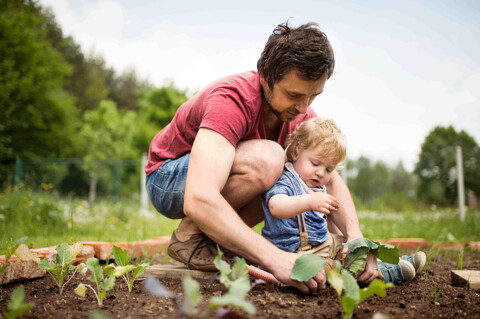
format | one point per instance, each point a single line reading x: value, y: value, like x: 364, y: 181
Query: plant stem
x: 100, y: 303
x: 68, y: 280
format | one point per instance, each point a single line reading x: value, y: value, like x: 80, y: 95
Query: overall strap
x: 302, y: 226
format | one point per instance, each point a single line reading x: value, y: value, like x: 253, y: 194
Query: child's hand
x: 324, y: 203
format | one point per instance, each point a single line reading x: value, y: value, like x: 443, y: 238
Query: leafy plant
x: 17, y: 306
x: 103, y: 277
x: 236, y: 282
x: 9, y: 251
x: 359, y: 248
x: 235, y: 279
x: 349, y: 293
x: 342, y: 280
x: 306, y: 267
x: 62, y: 266
x: 123, y: 260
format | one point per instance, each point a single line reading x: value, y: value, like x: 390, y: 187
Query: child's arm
x: 284, y: 206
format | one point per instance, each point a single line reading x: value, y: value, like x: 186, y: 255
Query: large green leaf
x: 387, y: 253
x: 355, y: 260
x: 306, y: 267
x: 359, y: 248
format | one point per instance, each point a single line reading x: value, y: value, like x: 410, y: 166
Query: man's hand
x: 282, y: 269
x: 370, y: 272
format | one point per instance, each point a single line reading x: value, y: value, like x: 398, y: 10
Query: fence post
x: 460, y: 184
x: 17, y: 178
x: 117, y: 175
x: 143, y: 189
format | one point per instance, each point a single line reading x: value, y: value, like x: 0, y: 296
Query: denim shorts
x: 166, y: 187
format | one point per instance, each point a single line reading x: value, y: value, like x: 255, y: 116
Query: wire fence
x: 69, y: 177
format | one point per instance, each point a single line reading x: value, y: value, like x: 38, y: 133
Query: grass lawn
x: 48, y: 219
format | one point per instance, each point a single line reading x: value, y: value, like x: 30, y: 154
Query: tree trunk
x: 92, y: 194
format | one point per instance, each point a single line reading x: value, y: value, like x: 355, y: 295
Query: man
x: 223, y: 150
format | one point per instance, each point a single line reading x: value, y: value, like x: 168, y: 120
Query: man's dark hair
x: 305, y: 49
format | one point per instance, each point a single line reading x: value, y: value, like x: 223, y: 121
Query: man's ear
x: 263, y: 83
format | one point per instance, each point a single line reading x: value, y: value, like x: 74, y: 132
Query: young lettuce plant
x: 234, y: 279
x: 237, y: 283
x: 103, y: 277
x: 123, y: 260
x: 62, y: 266
x: 17, y: 305
x: 349, y: 293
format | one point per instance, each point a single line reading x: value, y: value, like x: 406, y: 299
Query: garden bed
x: 430, y: 295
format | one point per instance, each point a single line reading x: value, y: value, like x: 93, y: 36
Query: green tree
x: 375, y: 185
x: 436, y: 166
x: 37, y: 117
x: 157, y: 107
x: 105, y: 136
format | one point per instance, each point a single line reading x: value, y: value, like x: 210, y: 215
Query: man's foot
x: 417, y: 260
x: 396, y: 273
x: 197, y: 252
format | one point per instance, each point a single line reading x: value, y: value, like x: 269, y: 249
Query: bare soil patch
x: 430, y: 295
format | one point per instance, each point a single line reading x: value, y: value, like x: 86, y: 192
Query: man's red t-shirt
x: 230, y: 106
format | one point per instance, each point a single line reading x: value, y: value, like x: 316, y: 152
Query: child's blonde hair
x: 317, y: 132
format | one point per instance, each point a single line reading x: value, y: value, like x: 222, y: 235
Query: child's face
x: 315, y: 171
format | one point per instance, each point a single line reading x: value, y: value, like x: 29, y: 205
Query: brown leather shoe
x: 197, y: 252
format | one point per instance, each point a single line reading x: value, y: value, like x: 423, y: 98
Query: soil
x: 429, y: 295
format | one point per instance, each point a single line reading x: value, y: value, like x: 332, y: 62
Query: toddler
x: 297, y: 206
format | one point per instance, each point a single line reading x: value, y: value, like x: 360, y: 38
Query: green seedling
x: 123, y: 260
x: 17, y: 305
x: 60, y: 269
x: 235, y: 279
x: 349, y: 293
x: 459, y: 264
x: 359, y: 248
x: 9, y: 251
x: 103, y: 277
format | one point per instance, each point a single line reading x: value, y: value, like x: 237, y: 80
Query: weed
x: 235, y: 279
x: 459, y: 264
x: 17, y: 305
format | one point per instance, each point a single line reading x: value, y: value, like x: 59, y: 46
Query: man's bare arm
x: 346, y: 219
x: 210, y: 164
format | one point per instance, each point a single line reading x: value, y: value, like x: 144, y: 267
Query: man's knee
x: 261, y: 160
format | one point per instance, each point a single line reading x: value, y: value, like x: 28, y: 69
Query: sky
x: 402, y: 67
